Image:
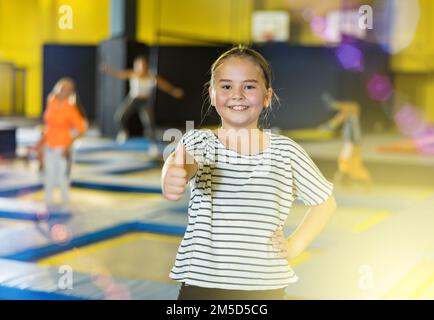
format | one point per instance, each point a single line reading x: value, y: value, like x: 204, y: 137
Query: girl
x: 64, y: 122
x: 234, y: 247
x: 142, y: 84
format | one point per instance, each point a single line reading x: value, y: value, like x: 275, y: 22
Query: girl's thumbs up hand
x: 175, y: 179
x: 180, y: 158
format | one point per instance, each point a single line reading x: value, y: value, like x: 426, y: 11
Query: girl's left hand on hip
x: 280, y: 243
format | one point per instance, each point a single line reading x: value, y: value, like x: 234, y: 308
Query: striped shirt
x: 236, y: 204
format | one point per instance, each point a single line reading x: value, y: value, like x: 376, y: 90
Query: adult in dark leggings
x: 138, y: 101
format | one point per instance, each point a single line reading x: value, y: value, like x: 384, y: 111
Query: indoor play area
x: 354, y: 90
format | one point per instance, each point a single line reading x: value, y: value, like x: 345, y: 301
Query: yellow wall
x: 418, y: 56
x: 415, y: 63
x: 91, y: 22
x: 20, y: 41
x: 223, y: 20
x: 25, y: 25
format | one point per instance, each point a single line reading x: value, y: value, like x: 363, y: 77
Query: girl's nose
x: 237, y: 94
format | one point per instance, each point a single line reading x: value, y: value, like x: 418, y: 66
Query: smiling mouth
x: 238, y: 107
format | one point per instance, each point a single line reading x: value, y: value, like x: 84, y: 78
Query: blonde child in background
x: 64, y: 122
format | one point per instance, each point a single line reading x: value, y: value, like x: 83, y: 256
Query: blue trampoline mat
x: 36, y: 253
x: 11, y: 293
x: 134, y: 144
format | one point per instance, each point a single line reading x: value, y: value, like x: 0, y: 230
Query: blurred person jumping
x: 351, y: 168
x: 138, y: 101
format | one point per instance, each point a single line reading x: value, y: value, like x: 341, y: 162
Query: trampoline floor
x: 386, y: 231
x: 148, y: 174
x: 142, y: 256
x: 402, y: 262
x: 100, y: 199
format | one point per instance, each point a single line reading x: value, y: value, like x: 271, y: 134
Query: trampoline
x: 143, y: 256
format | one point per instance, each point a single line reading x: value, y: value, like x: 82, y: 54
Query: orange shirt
x: 60, y: 119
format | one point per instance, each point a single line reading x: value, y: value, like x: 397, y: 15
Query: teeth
x: 238, y: 108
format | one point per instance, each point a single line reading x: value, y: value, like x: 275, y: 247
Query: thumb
x: 180, y: 155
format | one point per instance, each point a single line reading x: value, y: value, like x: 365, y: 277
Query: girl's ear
x: 268, y: 97
x: 211, y: 92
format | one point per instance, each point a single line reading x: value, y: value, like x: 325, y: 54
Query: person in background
x: 351, y: 168
x: 64, y: 121
x: 138, y: 101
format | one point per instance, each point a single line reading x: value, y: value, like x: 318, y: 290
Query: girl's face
x: 140, y: 66
x: 239, y: 93
x: 65, y: 89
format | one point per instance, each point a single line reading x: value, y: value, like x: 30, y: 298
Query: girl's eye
x: 250, y: 87
x: 226, y: 87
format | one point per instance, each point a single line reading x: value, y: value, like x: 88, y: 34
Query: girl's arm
x: 41, y: 140
x: 39, y: 145
x: 120, y: 74
x: 170, y: 89
x: 314, y: 221
x: 190, y: 165
x: 39, y: 148
x: 80, y: 124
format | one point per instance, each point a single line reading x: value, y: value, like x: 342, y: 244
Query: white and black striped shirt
x: 237, y: 202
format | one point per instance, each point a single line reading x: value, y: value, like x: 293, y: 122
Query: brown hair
x: 244, y: 52
x: 141, y: 58
x: 241, y: 51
